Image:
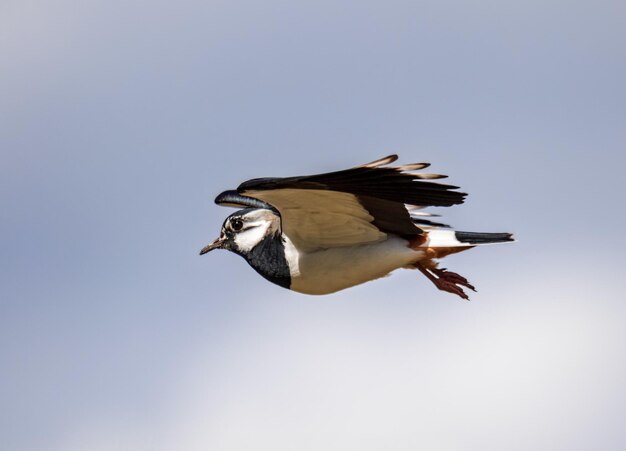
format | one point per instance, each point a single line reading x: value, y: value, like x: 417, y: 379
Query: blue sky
x: 121, y: 121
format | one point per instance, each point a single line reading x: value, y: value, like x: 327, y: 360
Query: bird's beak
x: 217, y: 244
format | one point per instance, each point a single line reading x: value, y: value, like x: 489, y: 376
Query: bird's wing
x: 349, y: 207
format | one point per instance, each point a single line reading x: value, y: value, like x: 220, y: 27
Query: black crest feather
x: 232, y: 198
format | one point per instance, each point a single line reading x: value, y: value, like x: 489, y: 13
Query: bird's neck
x: 268, y: 259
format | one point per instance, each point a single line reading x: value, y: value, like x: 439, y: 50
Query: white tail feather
x: 443, y: 238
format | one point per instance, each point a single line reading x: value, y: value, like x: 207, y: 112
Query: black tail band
x: 483, y: 238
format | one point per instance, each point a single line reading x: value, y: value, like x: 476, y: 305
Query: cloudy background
x: 120, y: 122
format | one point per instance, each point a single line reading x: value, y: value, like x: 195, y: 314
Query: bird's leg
x: 446, y: 280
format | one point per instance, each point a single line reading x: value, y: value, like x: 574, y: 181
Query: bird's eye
x: 236, y: 224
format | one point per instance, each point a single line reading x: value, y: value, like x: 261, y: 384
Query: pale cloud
x: 515, y: 372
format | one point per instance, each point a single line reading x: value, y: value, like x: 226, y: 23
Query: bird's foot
x: 447, y: 281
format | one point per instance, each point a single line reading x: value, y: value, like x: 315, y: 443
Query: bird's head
x: 245, y: 229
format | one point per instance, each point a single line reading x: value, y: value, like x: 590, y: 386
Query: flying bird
x: 318, y: 234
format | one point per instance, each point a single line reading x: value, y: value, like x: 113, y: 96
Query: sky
x: 121, y: 121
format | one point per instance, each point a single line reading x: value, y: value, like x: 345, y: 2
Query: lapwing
x: 318, y: 234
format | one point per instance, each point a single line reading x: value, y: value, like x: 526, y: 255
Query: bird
x: 319, y: 234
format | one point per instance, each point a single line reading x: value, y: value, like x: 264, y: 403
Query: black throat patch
x: 268, y: 259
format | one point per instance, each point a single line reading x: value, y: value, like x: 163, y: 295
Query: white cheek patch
x: 254, y: 233
x: 258, y: 224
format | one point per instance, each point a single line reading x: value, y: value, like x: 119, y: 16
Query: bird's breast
x: 268, y: 258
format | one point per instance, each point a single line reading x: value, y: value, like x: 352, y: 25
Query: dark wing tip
x: 412, y: 167
x: 381, y: 161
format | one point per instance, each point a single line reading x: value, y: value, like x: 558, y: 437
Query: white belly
x: 329, y: 270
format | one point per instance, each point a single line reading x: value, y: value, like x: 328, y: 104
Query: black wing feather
x: 390, y: 217
x: 386, y: 183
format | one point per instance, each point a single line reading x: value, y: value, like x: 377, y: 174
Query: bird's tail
x: 453, y: 238
x: 439, y: 243
x: 475, y: 238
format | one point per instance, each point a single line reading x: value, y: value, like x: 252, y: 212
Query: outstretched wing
x: 354, y: 206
